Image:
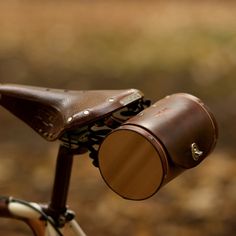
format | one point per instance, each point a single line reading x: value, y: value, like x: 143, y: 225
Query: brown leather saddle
x: 51, y: 112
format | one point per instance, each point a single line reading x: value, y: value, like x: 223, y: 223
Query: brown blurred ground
x: 160, y: 48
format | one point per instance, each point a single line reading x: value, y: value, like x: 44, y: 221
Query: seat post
x: 57, y: 207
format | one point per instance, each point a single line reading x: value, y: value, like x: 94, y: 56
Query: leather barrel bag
x: 150, y: 149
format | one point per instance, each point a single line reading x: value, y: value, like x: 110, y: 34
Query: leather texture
x: 178, y: 121
x: 51, y: 112
x: 179, y: 127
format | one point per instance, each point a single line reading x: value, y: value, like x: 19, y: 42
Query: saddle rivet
x: 111, y: 99
x: 40, y: 130
x: 70, y: 119
x: 86, y: 112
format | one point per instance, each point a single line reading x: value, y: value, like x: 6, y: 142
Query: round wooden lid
x: 132, y: 163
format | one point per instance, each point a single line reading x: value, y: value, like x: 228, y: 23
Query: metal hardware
x: 111, y: 99
x: 89, y: 137
x: 70, y: 119
x: 196, y: 152
x: 131, y: 98
x: 86, y: 112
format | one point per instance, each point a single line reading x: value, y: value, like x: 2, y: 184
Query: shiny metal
x: 111, y: 99
x: 86, y: 112
x: 70, y: 119
x: 131, y: 97
x: 196, y: 153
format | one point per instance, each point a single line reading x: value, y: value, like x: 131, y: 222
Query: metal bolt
x: 62, y: 220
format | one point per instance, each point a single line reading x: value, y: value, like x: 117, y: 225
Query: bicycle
x: 161, y: 141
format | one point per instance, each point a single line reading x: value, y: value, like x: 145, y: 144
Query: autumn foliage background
x: 159, y: 47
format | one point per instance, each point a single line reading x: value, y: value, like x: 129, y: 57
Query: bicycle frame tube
x: 30, y: 214
x: 76, y: 228
x: 31, y: 217
x: 13, y: 210
x: 47, y: 220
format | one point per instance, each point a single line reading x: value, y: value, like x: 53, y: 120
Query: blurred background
x: 159, y: 47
